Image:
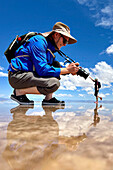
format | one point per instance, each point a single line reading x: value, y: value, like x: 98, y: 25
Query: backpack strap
x: 13, y: 67
x: 22, y: 56
x: 51, y: 52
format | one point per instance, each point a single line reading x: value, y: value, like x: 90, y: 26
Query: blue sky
x: 91, y: 23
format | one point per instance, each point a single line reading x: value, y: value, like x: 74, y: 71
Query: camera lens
x: 82, y: 73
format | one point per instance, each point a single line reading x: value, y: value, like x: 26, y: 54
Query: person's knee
x: 55, y: 84
x: 52, y: 85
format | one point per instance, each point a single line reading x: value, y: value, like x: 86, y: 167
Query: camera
x: 81, y: 72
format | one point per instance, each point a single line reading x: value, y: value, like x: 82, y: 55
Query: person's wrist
x: 68, y: 71
x: 64, y: 71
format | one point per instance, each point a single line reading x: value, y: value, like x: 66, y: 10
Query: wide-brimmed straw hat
x: 62, y: 29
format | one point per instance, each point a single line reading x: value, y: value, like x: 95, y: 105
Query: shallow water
x: 78, y: 136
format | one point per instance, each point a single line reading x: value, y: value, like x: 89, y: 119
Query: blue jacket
x: 35, y: 53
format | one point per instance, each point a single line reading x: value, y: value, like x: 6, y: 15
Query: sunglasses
x: 64, y: 39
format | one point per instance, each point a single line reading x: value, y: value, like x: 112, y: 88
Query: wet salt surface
x: 78, y: 136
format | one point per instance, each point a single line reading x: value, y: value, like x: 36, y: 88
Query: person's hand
x: 77, y: 64
x: 73, y: 68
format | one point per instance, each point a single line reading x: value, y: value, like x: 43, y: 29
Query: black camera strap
x: 68, y: 59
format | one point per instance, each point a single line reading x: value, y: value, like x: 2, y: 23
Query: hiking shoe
x: 53, y: 101
x: 23, y: 100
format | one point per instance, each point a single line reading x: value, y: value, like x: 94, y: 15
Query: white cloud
x: 106, y: 16
x: 102, y: 71
x: 63, y: 95
x: 106, y: 20
x: 88, y: 89
x: 107, y: 10
x: 1, y: 95
x: 82, y: 1
x: 81, y: 95
x: 1, y: 68
x: 107, y: 94
x: 81, y: 107
x: 70, y: 82
x: 102, y: 12
x: 109, y: 50
x: 3, y: 74
x: 102, y: 95
x: 89, y: 3
x: 72, y: 125
x: 66, y: 84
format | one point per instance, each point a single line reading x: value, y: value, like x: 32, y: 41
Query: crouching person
x: 34, y: 69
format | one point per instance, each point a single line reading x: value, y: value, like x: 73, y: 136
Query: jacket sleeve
x: 61, y: 64
x: 39, y: 57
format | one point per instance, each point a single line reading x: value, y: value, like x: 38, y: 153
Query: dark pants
x: 21, y: 80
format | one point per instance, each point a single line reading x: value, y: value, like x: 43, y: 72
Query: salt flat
x: 78, y: 136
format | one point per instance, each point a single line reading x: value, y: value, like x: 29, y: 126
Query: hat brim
x: 72, y: 40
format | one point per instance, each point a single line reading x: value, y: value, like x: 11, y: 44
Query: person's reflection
x: 32, y: 140
x: 96, y: 116
x: 29, y: 138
